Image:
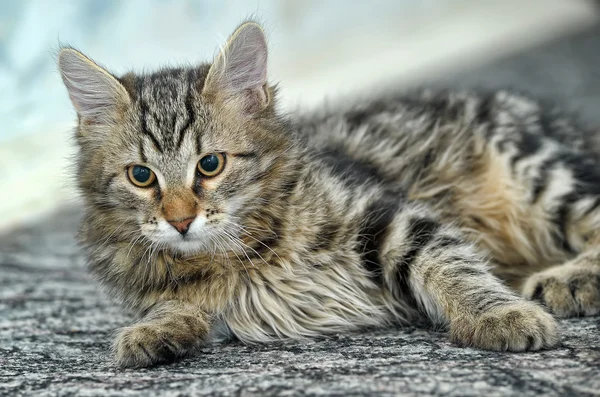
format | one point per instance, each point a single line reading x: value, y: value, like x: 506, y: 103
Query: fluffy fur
x: 380, y: 213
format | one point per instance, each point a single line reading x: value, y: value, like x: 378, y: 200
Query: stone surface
x: 55, y: 325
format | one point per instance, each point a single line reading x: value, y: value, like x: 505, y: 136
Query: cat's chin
x: 187, y: 246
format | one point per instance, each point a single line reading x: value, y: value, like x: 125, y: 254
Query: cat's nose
x: 182, y: 226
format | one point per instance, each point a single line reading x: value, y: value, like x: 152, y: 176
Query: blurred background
x: 319, y: 50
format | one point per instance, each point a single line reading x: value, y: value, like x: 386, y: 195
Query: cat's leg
x: 430, y: 264
x: 169, y: 330
x: 534, y: 202
x: 568, y: 194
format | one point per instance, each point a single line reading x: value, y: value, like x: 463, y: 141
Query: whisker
x: 237, y: 256
x: 241, y: 245
x: 253, y: 238
x: 253, y: 250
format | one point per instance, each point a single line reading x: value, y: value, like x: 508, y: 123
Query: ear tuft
x: 240, y: 69
x: 96, y: 95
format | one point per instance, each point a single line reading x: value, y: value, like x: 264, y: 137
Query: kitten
x: 204, y: 205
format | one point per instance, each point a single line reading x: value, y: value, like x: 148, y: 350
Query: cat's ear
x: 98, y: 97
x: 239, y: 71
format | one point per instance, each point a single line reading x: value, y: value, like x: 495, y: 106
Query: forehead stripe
x: 142, y: 152
x: 145, y: 131
x: 191, y: 117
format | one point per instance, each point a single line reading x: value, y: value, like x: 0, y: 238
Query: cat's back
x: 391, y: 139
x: 401, y: 138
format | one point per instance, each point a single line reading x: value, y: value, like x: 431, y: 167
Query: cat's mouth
x: 192, y: 239
x: 202, y: 236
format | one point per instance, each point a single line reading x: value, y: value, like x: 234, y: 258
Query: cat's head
x: 181, y: 157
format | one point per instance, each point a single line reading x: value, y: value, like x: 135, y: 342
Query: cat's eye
x: 140, y: 176
x: 211, y: 164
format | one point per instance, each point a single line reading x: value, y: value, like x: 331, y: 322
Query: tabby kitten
x: 204, y: 205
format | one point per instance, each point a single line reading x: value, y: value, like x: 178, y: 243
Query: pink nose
x: 182, y: 226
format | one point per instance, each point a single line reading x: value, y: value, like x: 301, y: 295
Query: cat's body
x: 365, y: 216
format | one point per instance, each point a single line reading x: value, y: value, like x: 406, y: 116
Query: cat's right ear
x: 98, y: 97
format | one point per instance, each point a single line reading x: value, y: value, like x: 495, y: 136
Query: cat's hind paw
x: 569, y: 290
x: 518, y: 326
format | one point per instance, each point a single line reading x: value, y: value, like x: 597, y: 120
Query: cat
x: 205, y: 205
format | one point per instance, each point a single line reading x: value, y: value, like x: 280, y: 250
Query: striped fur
x: 438, y: 204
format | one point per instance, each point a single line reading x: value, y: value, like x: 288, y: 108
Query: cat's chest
x: 306, y: 301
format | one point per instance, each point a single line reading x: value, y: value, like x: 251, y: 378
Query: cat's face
x: 184, y: 157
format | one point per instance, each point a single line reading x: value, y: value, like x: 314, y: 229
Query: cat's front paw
x: 514, y: 327
x: 144, y: 345
x: 569, y: 290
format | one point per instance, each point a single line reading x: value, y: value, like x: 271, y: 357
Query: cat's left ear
x: 239, y: 72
